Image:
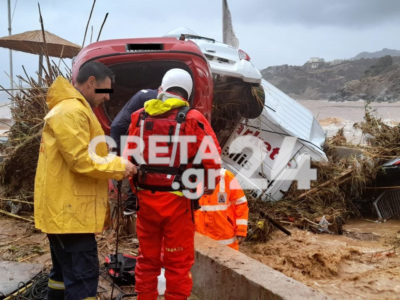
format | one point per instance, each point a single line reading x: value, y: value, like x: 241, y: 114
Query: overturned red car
x: 141, y: 63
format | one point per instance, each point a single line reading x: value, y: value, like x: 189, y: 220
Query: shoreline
x: 328, y: 112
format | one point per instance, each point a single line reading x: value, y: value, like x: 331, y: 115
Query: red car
x: 141, y: 63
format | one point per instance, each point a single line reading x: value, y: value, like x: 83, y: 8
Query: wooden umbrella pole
x: 45, y: 44
x: 40, y: 79
x: 61, y: 56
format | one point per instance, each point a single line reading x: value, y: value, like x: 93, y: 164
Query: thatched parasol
x: 32, y: 42
x: 40, y: 42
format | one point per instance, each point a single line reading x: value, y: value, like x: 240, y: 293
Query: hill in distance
x: 377, y: 54
x: 371, y: 79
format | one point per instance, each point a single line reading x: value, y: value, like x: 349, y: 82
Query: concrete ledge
x: 13, y: 273
x: 222, y: 273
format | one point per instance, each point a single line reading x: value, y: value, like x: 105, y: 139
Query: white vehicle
x: 239, y: 110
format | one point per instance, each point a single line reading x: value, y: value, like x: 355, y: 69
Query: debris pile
x: 28, y: 108
x: 345, y: 186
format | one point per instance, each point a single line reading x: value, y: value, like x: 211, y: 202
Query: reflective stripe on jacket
x: 70, y: 188
x: 223, y: 214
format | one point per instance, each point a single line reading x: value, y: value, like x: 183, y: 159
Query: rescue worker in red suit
x: 165, y: 216
x: 223, y: 214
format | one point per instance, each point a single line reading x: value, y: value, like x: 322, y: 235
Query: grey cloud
x: 337, y: 13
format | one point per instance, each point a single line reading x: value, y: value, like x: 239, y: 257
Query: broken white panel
x: 293, y: 119
x: 255, y: 166
x: 282, y: 117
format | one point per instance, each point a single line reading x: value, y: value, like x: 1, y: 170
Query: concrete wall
x: 222, y: 273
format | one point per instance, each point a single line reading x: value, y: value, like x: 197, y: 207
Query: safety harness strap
x: 170, y: 169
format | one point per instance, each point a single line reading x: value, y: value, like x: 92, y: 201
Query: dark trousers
x: 75, y: 271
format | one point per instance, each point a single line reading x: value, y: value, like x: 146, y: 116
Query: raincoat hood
x: 62, y: 89
x: 156, y: 107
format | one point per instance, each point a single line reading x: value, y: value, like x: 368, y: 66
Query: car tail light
x: 243, y: 55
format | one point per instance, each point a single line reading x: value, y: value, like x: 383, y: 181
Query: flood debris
x: 28, y: 108
x: 345, y: 187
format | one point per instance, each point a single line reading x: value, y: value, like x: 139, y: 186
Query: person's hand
x: 240, y: 239
x: 130, y: 169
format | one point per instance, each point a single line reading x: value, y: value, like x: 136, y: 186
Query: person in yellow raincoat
x: 223, y: 214
x: 70, y: 198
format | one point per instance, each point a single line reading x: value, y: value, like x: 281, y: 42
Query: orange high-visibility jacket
x: 223, y: 214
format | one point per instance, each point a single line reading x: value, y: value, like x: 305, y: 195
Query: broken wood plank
x: 339, y: 178
x: 16, y: 200
x: 15, y: 216
x: 395, y: 187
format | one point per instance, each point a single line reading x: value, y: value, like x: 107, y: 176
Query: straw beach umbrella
x: 32, y: 42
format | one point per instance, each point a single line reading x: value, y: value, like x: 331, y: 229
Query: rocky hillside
x: 375, y: 79
x: 377, y: 54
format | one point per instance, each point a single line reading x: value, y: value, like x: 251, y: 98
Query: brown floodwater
x: 351, y: 111
x: 336, y: 115
x: 364, y: 263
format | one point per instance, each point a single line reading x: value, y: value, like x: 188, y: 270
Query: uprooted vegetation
x: 28, y: 108
x: 344, y: 187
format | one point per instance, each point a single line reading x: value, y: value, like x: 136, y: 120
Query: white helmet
x: 177, y: 78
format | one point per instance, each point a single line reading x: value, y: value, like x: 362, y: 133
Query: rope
x: 35, y: 290
x: 119, y: 184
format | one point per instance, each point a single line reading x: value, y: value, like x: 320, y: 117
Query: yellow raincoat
x: 70, y: 188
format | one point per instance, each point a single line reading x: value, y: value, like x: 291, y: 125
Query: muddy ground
x: 20, y: 242
x: 362, y: 264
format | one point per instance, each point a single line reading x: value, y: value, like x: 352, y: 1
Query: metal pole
x: 11, y: 63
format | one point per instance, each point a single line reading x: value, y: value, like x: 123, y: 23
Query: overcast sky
x: 272, y: 32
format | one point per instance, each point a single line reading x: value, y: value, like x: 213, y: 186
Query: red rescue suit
x: 166, y: 216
